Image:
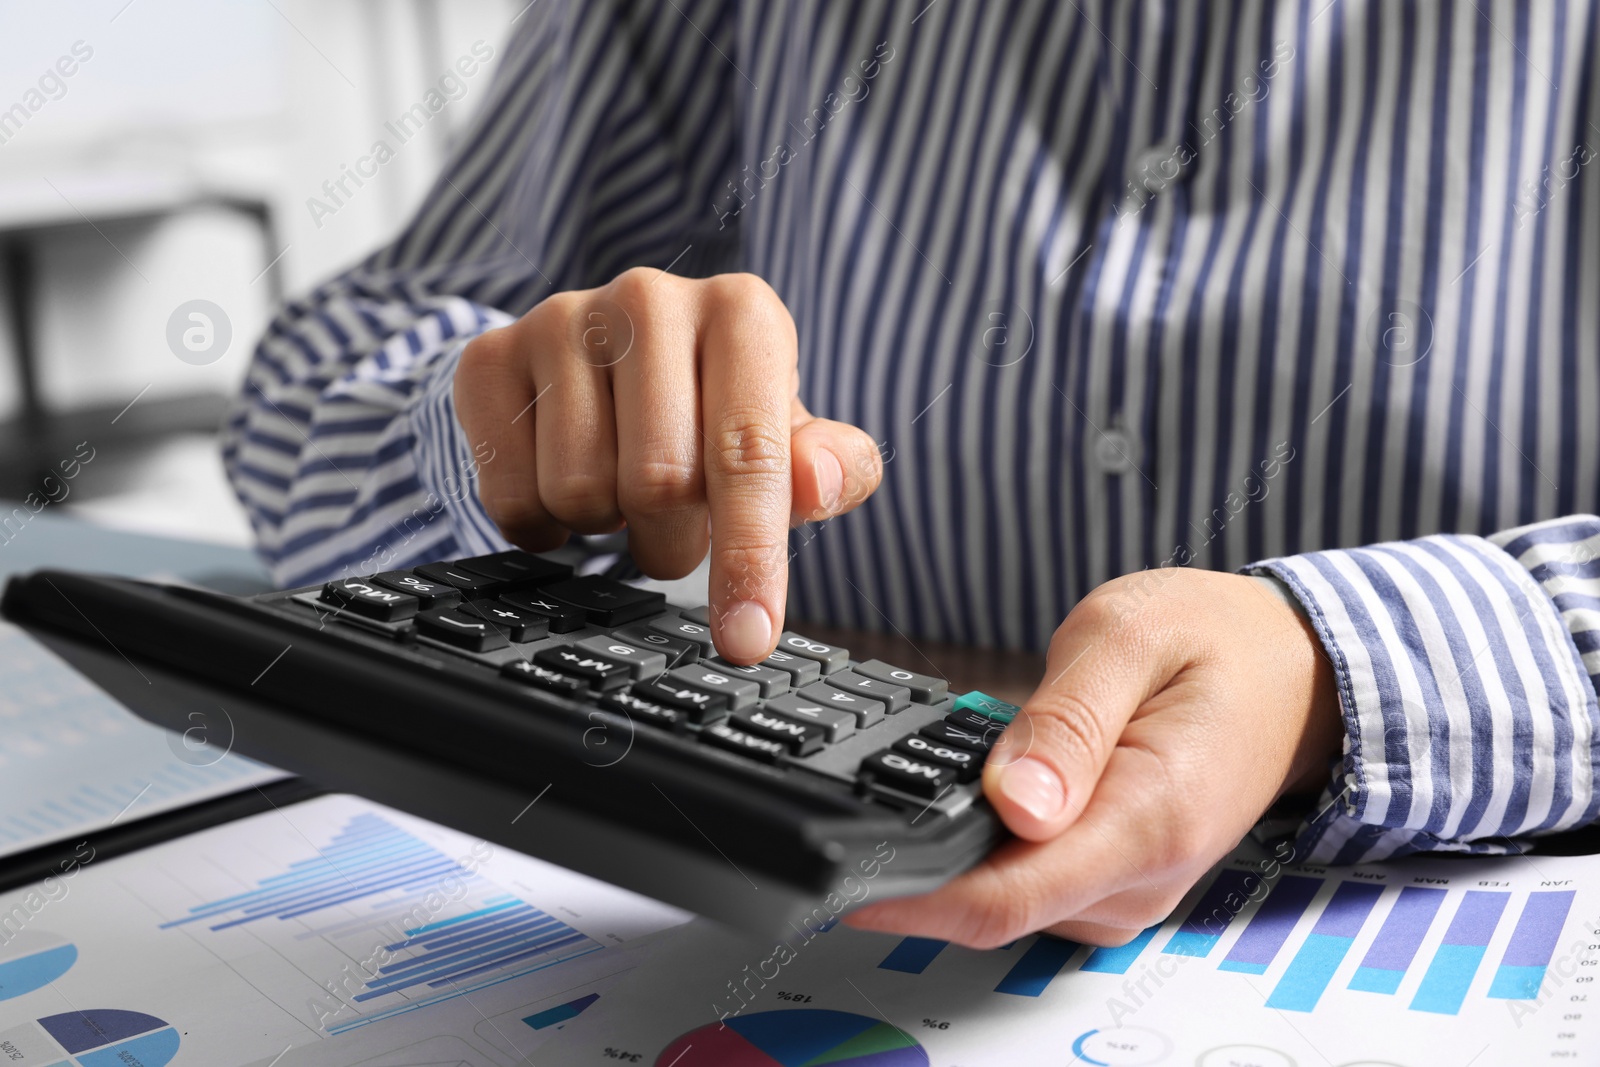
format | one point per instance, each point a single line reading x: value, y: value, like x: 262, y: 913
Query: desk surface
x: 29, y: 541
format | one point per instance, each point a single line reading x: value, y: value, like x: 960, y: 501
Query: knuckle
x: 550, y: 316
x: 579, y: 499
x: 638, y: 287
x: 1010, y: 916
x: 746, y: 442
x: 490, y: 350
x: 1103, y: 611
x: 663, y: 485
x: 748, y: 564
x: 1174, y: 844
x: 1064, y: 723
x: 749, y: 297
x: 1127, y: 919
x: 515, y: 517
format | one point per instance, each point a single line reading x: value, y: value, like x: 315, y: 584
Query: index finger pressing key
x: 748, y: 355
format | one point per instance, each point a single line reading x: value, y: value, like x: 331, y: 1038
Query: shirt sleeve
x: 601, y: 145
x: 1466, y: 669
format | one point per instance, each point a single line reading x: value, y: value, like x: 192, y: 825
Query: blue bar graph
x: 912, y: 955
x: 1455, y: 964
x: 1309, y: 973
x: 1533, y: 942
x: 1039, y: 965
x: 1213, y: 913
x: 526, y: 932
x: 1271, y: 925
x: 378, y: 876
x: 1118, y: 960
x: 1391, y: 953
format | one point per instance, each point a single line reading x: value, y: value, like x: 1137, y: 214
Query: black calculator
x: 568, y: 716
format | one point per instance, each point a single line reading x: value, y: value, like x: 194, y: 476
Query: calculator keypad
x: 457, y: 628
x: 888, y: 730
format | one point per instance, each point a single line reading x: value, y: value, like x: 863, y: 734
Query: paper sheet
x: 331, y: 932
x: 72, y: 760
x: 1420, y: 963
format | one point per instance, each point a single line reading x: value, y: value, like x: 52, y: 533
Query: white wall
x: 262, y: 99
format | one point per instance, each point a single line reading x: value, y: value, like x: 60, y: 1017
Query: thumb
x: 835, y: 466
x: 1044, y: 769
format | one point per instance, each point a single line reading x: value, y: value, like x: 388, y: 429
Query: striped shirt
x: 1115, y: 285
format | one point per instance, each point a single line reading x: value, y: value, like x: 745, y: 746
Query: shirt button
x: 1115, y: 451
x: 1157, y: 167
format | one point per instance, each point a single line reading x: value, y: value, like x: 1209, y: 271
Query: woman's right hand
x: 669, y: 405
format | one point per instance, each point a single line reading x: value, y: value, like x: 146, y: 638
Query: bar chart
x: 318, y: 934
x: 421, y: 925
x: 1273, y: 938
x: 1410, y: 963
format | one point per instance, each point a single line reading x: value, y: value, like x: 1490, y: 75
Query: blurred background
x: 169, y: 169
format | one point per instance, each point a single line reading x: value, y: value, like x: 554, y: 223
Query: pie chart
x: 99, y: 1037
x: 32, y: 959
x: 804, y: 1037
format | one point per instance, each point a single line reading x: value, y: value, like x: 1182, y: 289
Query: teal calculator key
x: 984, y: 704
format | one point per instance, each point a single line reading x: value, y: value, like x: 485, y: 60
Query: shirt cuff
x: 447, y: 463
x: 1469, y: 718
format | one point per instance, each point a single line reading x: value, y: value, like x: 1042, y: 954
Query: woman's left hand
x: 1177, y: 706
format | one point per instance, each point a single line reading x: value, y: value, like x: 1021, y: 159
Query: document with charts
x: 330, y: 933
x: 1419, y: 963
x: 72, y: 760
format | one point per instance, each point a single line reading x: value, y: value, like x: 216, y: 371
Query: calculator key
x: 677, y: 650
x: 967, y: 719
x: 601, y: 672
x: 464, y: 582
x: 897, y: 770
x: 607, y: 603
x: 637, y: 709
x: 925, y: 689
x: 803, y: 738
x: 426, y: 590
x: 373, y: 601
x: 967, y: 764
x: 701, y: 705
x: 530, y: 673
x: 515, y: 569
x: 830, y: 657
x: 894, y: 697
x: 684, y: 630
x: 564, y: 618
x: 984, y: 704
x: 865, y: 710
x: 457, y: 628
x: 432, y: 594
x: 743, y: 742
x: 519, y: 624
x: 742, y: 692
x: 978, y: 739
x: 642, y: 662
x: 771, y: 682
x: 701, y: 615
x: 801, y: 671
x: 838, y: 722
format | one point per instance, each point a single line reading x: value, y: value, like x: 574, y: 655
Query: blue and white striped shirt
x: 1115, y: 285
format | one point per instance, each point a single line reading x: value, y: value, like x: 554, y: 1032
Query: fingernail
x: 746, y: 631
x: 830, y: 479
x: 1035, y: 788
